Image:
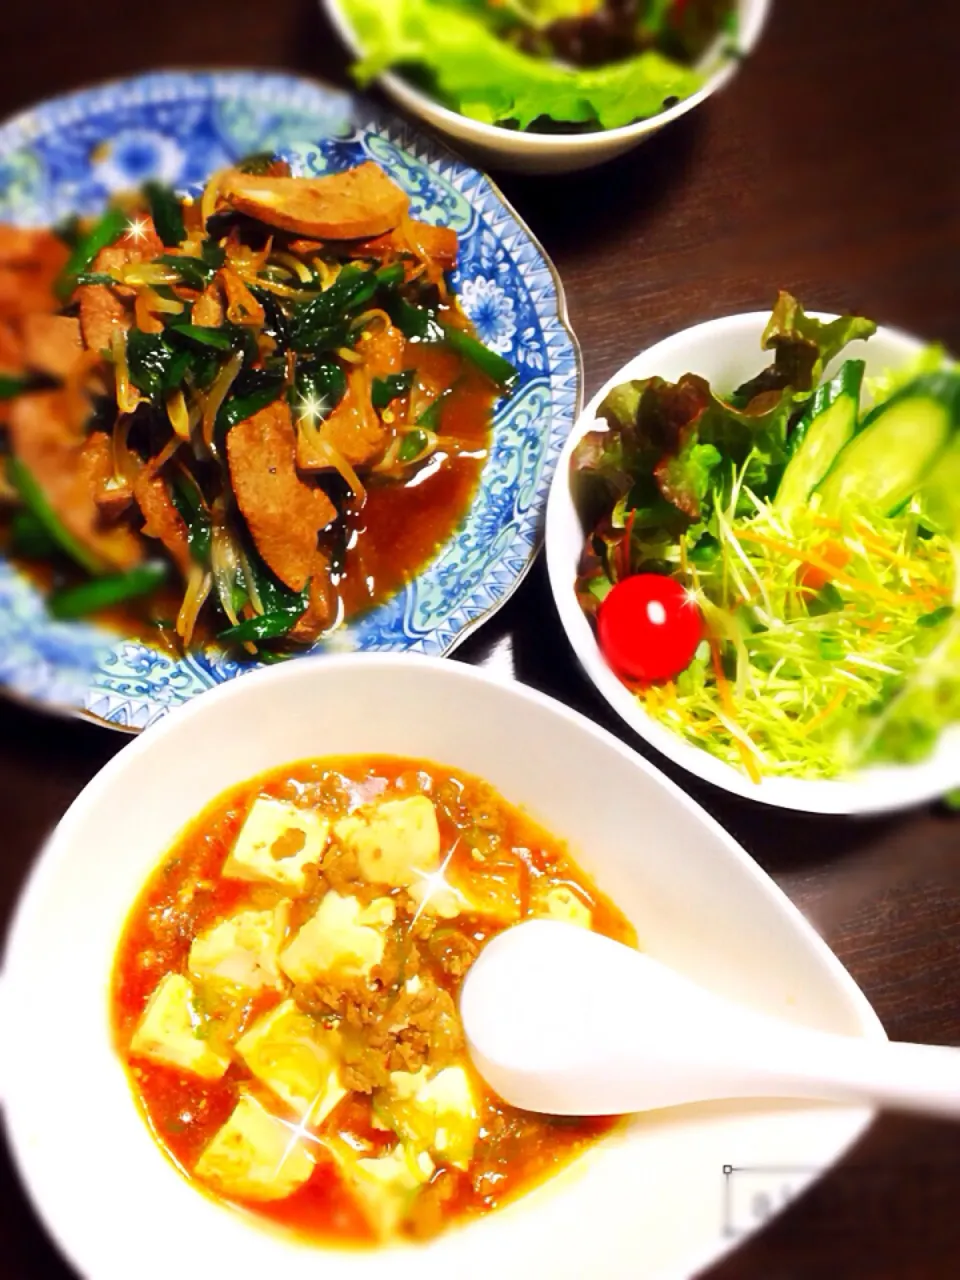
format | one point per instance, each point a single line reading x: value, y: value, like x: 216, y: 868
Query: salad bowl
x: 658, y: 1198
x: 727, y: 353
x: 72, y: 154
x: 529, y: 152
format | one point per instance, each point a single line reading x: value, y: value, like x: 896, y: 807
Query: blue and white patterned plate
x: 70, y: 154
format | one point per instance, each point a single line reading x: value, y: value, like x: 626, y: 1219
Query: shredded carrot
x: 726, y: 701
x: 824, y: 713
x: 835, y: 575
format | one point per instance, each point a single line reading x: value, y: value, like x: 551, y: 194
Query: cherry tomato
x: 649, y: 627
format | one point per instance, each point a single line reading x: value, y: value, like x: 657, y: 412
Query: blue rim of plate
x: 71, y: 153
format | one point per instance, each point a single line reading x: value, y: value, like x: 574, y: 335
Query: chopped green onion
x: 35, y: 500
x: 260, y: 162
x: 95, y: 277
x: 430, y: 418
x: 155, y: 367
x: 935, y: 618
x: 386, y: 389
x: 213, y: 254
x: 166, y: 212
x: 112, y: 589
x: 108, y: 229
x: 193, y: 272
x: 11, y: 386
x: 219, y: 339
x: 418, y: 323
x: 29, y: 537
x: 413, y: 444
x: 188, y: 500
x: 499, y: 371
x: 268, y: 626
x: 241, y: 407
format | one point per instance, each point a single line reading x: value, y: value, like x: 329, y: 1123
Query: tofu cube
x: 561, y: 903
x: 288, y: 1052
x: 395, y: 841
x: 384, y: 1186
x: 491, y: 888
x: 255, y: 1155
x: 277, y: 843
x: 342, y: 939
x: 172, y: 1032
x: 243, y: 950
x: 438, y: 1113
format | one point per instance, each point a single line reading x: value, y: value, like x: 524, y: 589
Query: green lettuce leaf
x: 673, y: 452
x: 803, y: 348
x: 484, y: 77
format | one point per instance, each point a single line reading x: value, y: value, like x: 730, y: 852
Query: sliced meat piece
x: 284, y: 514
x: 303, y: 248
x: 357, y: 203
x: 433, y: 244
x: 51, y: 344
x: 113, y: 497
x: 32, y: 247
x: 321, y: 607
x: 102, y: 307
x: 24, y: 291
x: 30, y: 262
x: 44, y: 439
x: 208, y: 308
x: 11, y: 348
x: 161, y: 519
x: 383, y: 351
x: 353, y: 429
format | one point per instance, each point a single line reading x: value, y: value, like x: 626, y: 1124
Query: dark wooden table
x: 830, y: 168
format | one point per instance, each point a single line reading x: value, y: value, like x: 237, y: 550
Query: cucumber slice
x: 939, y: 494
x: 884, y: 463
x: 829, y: 422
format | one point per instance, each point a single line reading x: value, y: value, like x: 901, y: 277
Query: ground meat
x: 453, y: 951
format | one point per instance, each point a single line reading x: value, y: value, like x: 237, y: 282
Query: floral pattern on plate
x: 72, y: 153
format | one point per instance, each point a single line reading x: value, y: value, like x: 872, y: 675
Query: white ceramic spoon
x: 565, y: 1021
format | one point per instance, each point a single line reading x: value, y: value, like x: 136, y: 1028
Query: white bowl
x: 556, y: 153
x: 727, y: 352
x: 647, y: 1201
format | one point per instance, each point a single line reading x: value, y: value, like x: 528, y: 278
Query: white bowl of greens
x: 811, y: 515
x: 548, y: 86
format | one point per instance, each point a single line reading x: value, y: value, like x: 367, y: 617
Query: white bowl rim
x: 877, y: 790
x: 15, y: 978
x: 571, y: 144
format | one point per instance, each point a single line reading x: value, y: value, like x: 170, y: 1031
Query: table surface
x: 826, y: 168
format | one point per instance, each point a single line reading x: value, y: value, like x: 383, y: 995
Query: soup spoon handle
x: 565, y: 1021
x: 896, y: 1076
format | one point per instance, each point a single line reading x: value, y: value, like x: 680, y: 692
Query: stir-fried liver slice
x: 357, y: 203
x: 161, y: 519
x: 49, y: 446
x: 30, y: 262
x: 433, y: 244
x: 51, y: 344
x: 284, y: 514
x: 96, y: 459
x: 102, y: 308
x: 353, y: 429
